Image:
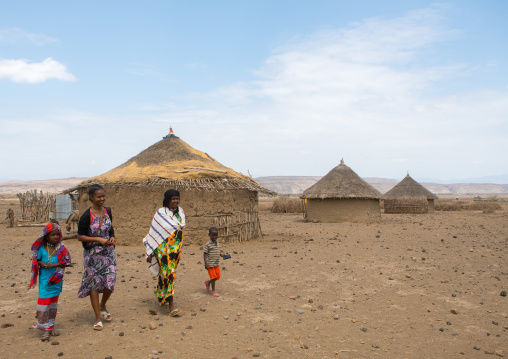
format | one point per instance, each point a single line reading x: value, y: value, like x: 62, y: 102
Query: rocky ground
x: 412, y: 286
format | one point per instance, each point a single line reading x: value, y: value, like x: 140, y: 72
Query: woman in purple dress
x: 95, y: 231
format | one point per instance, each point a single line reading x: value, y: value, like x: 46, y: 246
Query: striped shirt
x: 212, y: 252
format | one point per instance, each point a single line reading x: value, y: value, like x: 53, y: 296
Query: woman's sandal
x: 54, y: 333
x: 97, y: 326
x: 106, y: 316
x: 175, y: 313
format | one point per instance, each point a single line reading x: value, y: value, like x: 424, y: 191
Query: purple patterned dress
x: 99, y: 262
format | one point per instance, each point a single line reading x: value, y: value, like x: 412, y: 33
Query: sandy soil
x: 387, y: 290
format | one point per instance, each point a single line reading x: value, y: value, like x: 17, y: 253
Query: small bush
x: 287, y: 205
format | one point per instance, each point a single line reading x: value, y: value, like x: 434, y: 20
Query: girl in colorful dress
x: 95, y: 231
x: 163, y: 245
x: 49, y: 259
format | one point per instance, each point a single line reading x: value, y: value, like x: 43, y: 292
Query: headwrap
x: 170, y: 193
x: 62, y: 253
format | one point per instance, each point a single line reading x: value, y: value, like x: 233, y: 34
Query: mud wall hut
x: 211, y: 193
x: 409, y: 196
x: 342, y: 196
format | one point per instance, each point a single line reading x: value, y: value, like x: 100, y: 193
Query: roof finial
x: 171, y: 133
x: 342, y: 161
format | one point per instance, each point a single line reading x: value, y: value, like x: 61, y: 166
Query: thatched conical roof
x: 172, y: 161
x: 341, y: 182
x: 408, y: 187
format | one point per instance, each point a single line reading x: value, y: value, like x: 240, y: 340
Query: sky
x: 276, y: 88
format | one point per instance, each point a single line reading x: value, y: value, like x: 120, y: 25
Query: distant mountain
x: 297, y: 184
x: 283, y: 185
x: 53, y: 185
x: 499, y: 179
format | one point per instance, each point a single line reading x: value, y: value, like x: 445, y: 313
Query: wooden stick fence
x: 237, y: 226
x: 36, y: 207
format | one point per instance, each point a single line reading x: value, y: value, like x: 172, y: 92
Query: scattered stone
x: 311, y: 301
x: 336, y: 317
x: 55, y: 343
x: 448, y: 323
x: 152, y: 312
x: 503, y: 293
x: 454, y: 311
x: 363, y: 329
x: 476, y: 347
x: 108, y: 357
x: 500, y: 353
x: 189, y: 327
x: 256, y: 354
x: 153, y: 325
x: 121, y: 334
x: 441, y: 329
x: 202, y: 309
x: 226, y: 317
x: 7, y: 325
x: 304, y: 346
x: 321, y: 307
x: 454, y: 295
x: 375, y: 346
x: 60, y: 354
x: 299, y: 311
x: 292, y: 297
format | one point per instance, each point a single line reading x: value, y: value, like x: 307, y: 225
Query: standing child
x: 49, y: 259
x: 211, y: 258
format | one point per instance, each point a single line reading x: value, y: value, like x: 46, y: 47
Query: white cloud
x: 16, y: 35
x: 361, y: 92
x: 22, y: 71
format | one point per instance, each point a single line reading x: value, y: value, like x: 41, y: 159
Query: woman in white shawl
x: 163, y: 245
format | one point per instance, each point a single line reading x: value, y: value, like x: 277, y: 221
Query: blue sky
x: 273, y: 87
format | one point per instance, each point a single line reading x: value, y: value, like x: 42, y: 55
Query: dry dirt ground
x: 412, y: 286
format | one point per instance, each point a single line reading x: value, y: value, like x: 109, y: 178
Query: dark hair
x: 213, y: 229
x: 170, y: 193
x: 94, y: 188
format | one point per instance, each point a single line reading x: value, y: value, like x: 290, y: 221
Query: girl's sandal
x: 215, y: 294
x: 175, y: 313
x: 97, y: 326
x: 45, y: 337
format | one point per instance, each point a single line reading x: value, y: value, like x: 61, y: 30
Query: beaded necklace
x: 50, y: 255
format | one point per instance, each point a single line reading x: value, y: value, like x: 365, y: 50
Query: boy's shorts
x: 214, y: 272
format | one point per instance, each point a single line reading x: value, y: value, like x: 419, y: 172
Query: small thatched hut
x: 211, y: 194
x: 408, y: 196
x: 342, y: 196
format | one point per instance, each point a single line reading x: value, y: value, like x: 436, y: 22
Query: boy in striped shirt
x: 211, y: 257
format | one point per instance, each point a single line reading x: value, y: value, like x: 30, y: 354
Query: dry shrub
x: 485, y: 206
x: 287, y: 205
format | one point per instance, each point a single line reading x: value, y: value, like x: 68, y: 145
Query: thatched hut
x: 211, y: 193
x: 408, y: 196
x: 342, y: 196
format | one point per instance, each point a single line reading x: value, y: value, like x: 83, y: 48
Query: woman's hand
x: 102, y: 241
x: 112, y: 241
